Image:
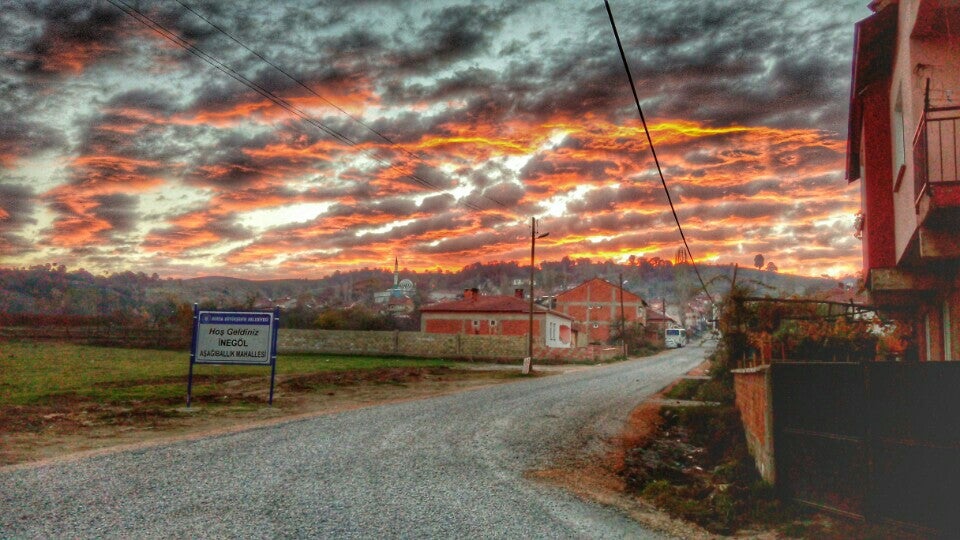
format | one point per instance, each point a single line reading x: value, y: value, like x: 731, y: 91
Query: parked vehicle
x: 675, y: 338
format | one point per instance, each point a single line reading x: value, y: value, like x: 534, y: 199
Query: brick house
x: 597, y: 305
x: 903, y: 147
x: 498, y: 316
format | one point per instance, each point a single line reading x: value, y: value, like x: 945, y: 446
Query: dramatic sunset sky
x: 428, y: 130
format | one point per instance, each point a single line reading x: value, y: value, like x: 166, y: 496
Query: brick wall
x: 507, y: 324
x: 754, y: 400
x: 597, y: 302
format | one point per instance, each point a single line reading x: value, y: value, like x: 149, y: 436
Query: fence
x: 874, y: 440
x: 139, y: 337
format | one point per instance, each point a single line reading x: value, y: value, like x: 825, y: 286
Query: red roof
x: 656, y: 316
x: 489, y: 304
x: 873, y: 51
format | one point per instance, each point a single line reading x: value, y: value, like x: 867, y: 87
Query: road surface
x: 442, y: 467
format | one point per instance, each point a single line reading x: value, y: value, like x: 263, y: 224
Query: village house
x: 601, y: 306
x: 498, y: 316
x: 903, y: 147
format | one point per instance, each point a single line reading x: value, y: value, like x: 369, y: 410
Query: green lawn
x: 38, y: 373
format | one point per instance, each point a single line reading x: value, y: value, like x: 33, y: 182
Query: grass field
x: 42, y: 373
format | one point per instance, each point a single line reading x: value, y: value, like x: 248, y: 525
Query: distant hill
x: 48, y: 289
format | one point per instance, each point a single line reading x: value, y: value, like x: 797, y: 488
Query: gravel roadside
x: 441, y: 467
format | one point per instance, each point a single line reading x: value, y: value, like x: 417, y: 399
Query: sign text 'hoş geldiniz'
x: 234, y: 337
x: 231, y: 337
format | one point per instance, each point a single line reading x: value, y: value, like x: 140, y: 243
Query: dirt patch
x: 67, y: 424
x: 600, y: 479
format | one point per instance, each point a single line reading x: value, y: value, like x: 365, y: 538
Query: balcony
x: 936, y: 155
x: 936, y: 158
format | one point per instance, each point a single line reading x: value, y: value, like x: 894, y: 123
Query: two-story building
x: 601, y: 306
x: 904, y: 148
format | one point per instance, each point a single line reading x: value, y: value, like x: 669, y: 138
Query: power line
x: 312, y: 91
x: 280, y: 102
x: 653, y: 151
x: 292, y: 78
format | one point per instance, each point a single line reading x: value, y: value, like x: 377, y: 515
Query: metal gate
x: 874, y: 440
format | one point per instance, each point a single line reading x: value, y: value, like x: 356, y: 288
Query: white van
x: 675, y: 338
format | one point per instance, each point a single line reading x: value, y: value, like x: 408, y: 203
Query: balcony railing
x: 936, y: 149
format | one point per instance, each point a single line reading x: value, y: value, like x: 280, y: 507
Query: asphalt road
x: 443, y: 467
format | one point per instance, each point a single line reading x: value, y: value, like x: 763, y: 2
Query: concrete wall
x: 754, y: 400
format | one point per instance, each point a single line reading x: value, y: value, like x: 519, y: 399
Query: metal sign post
x: 234, y: 338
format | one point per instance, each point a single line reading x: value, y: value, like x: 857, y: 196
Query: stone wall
x: 754, y: 400
x: 424, y: 345
x: 394, y: 343
x: 586, y: 354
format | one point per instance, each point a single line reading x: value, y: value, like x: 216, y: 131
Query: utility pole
x: 623, y: 321
x: 528, y: 361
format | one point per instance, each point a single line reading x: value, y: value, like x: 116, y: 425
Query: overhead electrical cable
x: 653, y: 151
x: 280, y: 102
x: 294, y: 79
x: 306, y: 87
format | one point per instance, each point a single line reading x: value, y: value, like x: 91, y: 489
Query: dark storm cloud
x: 452, y: 33
x: 718, y: 62
x: 744, y: 62
x: 133, y: 125
x: 504, y: 193
x: 21, y: 138
x: 424, y: 173
x: 16, y: 210
x: 227, y: 228
x: 437, y: 203
x: 150, y: 100
x: 746, y: 189
x: 548, y: 164
x: 804, y: 157
x: 16, y: 206
x: 608, y: 199
x: 119, y: 210
x: 473, y: 243
x: 72, y: 35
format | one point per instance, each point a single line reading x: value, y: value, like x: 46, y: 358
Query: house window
x: 493, y: 322
x: 476, y: 324
x: 899, y: 140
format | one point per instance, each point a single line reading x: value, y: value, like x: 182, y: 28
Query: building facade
x: 500, y: 316
x: 904, y: 148
x: 599, y: 306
